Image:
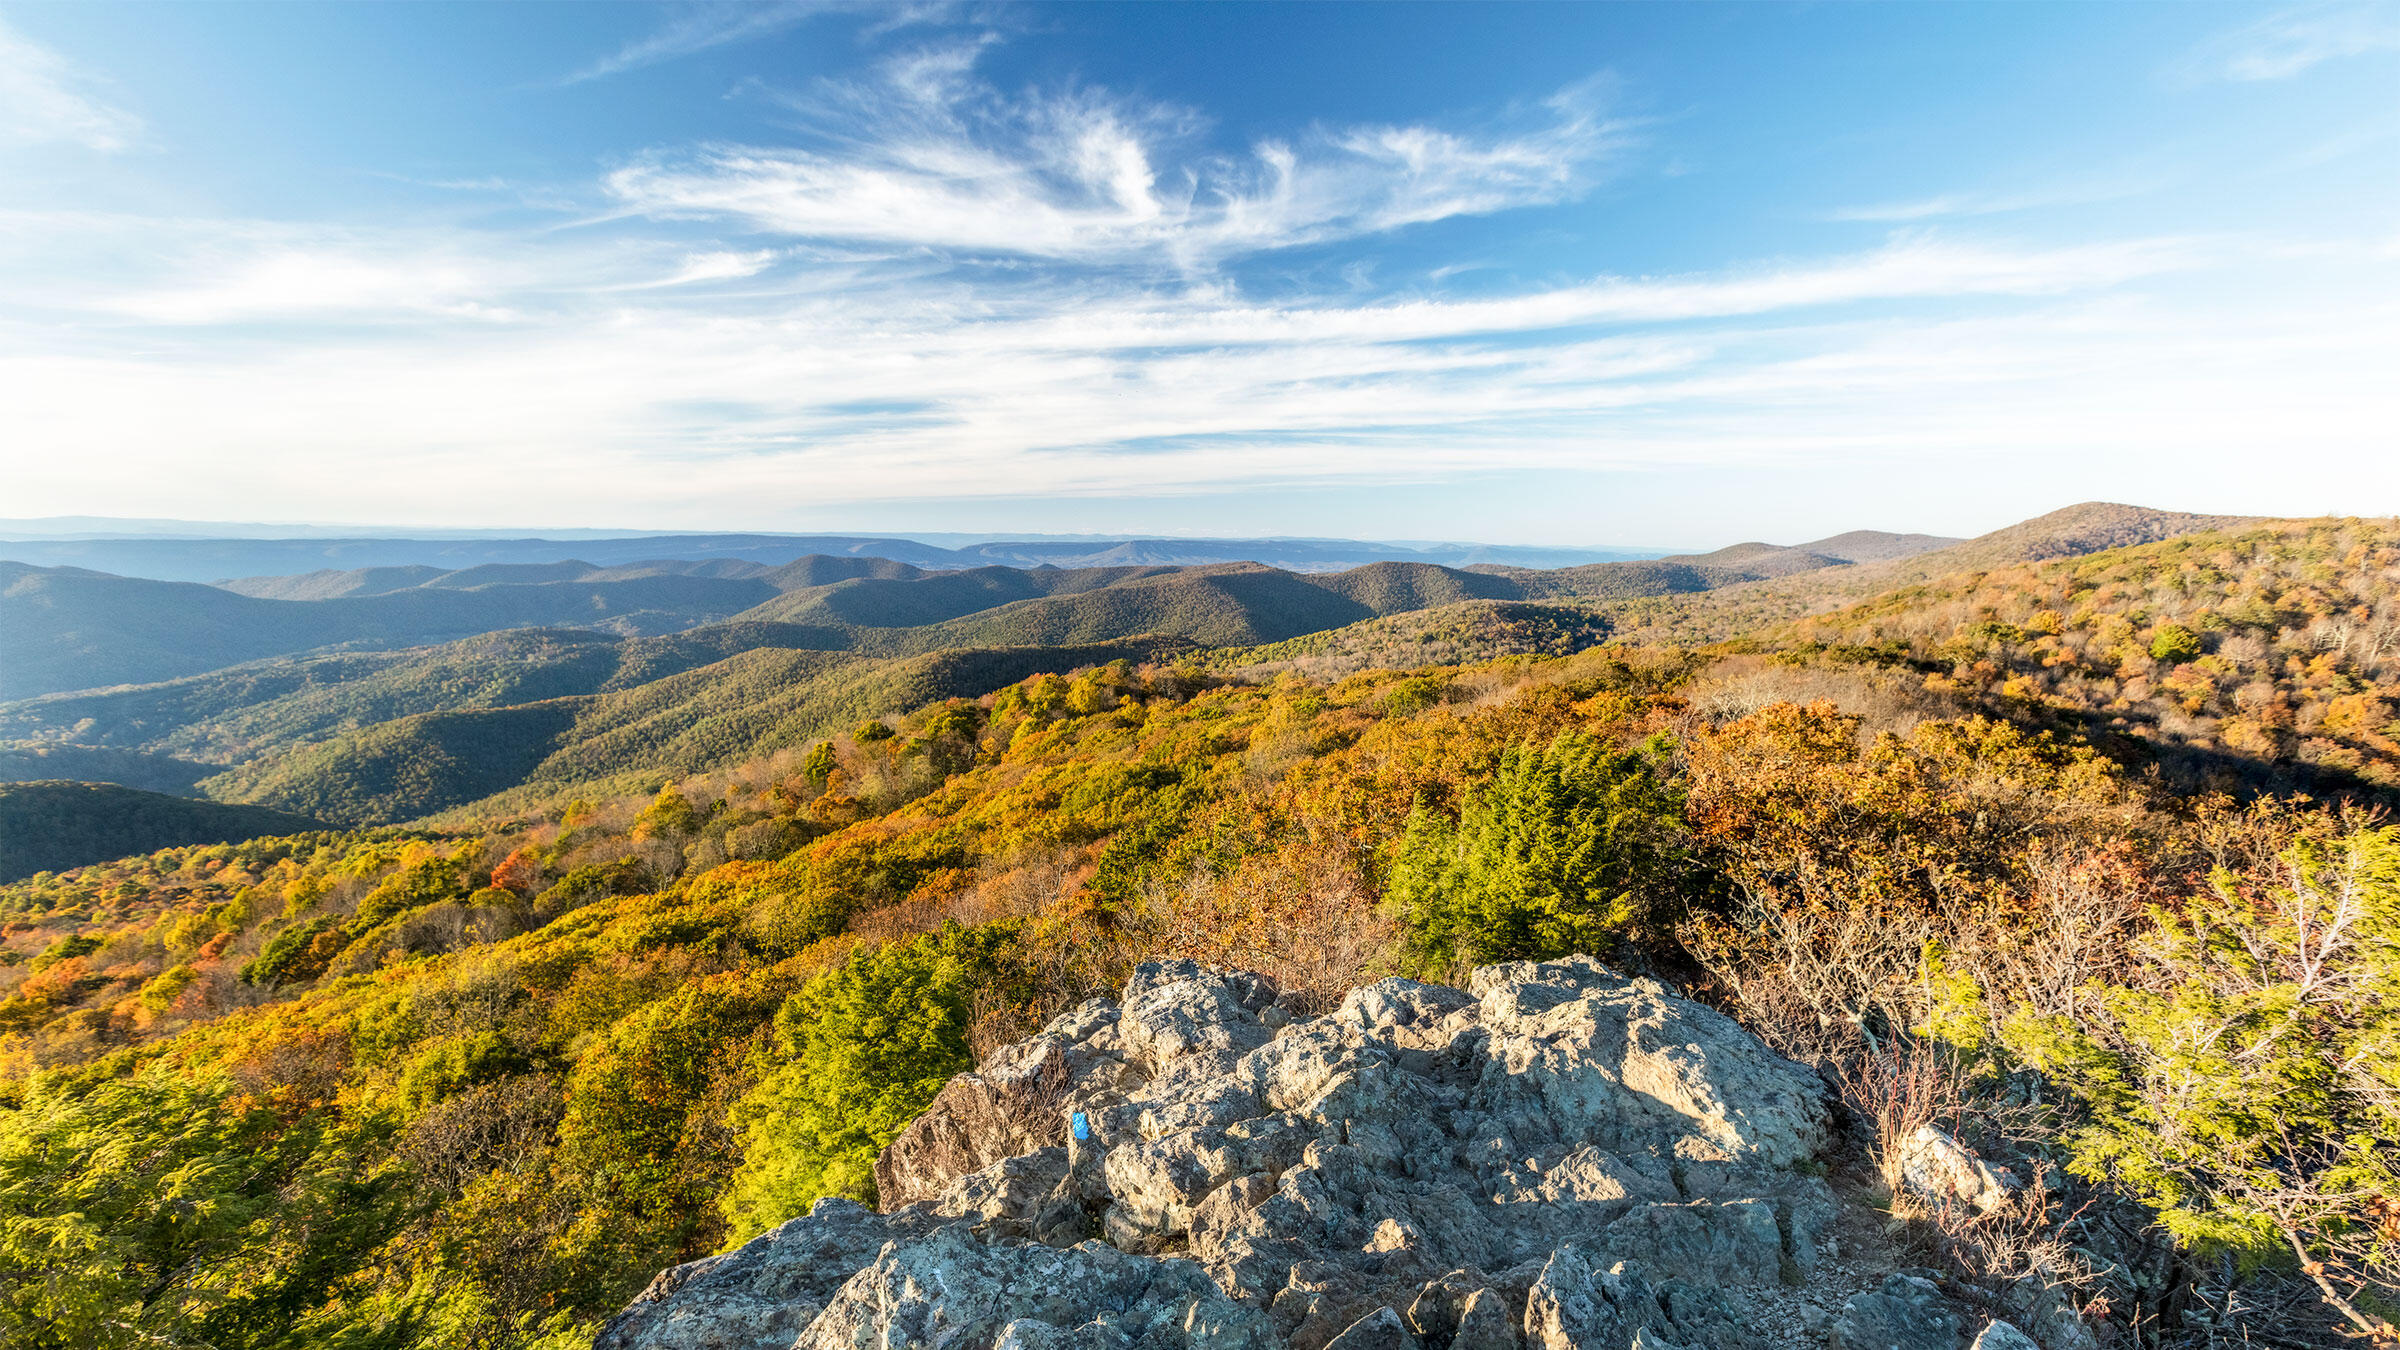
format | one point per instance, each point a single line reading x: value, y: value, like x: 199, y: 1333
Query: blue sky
x: 1651, y: 275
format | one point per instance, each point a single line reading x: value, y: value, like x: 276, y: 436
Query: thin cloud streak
x: 2291, y: 41
x: 45, y: 100
x: 1955, y: 205
x: 699, y: 28
x: 703, y: 27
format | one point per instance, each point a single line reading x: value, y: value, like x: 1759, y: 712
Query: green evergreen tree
x: 1571, y: 847
x: 2247, y: 1084
x: 165, y: 1210
x: 862, y: 1050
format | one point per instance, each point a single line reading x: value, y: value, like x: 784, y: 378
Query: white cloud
x: 695, y: 28
x: 976, y: 296
x: 627, y: 401
x: 44, y: 100
x: 310, y: 284
x: 925, y: 156
x: 2290, y: 41
x: 719, y: 265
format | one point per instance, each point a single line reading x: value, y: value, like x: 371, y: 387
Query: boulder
x: 1938, y: 1169
x: 952, y: 1291
x: 1907, y: 1313
x: 1015, y: 1103
x: 1558, y: 1156
x: 1573, y: 1306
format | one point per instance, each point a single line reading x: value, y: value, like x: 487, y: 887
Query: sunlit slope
x: 1714, y: 614
x: 227, y: 716
x: 2269, y: 652
x: 749, y: 704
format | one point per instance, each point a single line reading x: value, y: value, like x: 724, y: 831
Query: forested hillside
x: 362, y: 726
x: 48, y: 826
x: 67, y: 629
x: 476, y: 1083
x: 70, y: 629
x: 708, y: 718
x: 1730, y: 611
x: 2267, y: 652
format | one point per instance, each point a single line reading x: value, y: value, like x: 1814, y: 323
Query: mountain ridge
x: 371, y: 735
x: 50, y: 825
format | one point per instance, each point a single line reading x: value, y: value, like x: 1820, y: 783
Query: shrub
x: 2245, y: 1085
x: 862, y: 1049
x: 1571, y: 847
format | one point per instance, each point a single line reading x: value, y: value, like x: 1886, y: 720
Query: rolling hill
x: 65, y: 628
x: 371, y: 725
x: 1733, y: 565
x: 1716, y: 614
x: 748, y: 705
x: 34, y: 762
x: 50, y: 826
x: 2264, y: 653
x: 69, y: 630
x: 226, y: 716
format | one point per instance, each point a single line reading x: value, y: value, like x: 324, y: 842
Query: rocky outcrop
x: 768, y: 1292
x: 1556, y: 1158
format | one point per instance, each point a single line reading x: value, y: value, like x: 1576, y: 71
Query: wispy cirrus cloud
x: 593, y: 369
x: 187, y: 273
x: 694, y: 28
x: 937, y: 288
x: 44, y: 99
x: 2290, y: 41
x: 927, y: 156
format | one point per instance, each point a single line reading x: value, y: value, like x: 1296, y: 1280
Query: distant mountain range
x: 216, y: 559
x: 392, y: 691
x: 68, y: 628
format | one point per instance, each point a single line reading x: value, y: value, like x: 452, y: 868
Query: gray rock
x: 1179, y: 1008
x: 1571, y: 1307
x: 1938, y: 1169
x: 1378, y: 1330
x: 763, y: 1295
x: 1726, y: 1245
x: 1557, y: 1157
x: 952, y: 1291
x: 2044, y: 1313
x: 1484, y: 1323
x: 1907, y: 1313
x: 1015, y: 1103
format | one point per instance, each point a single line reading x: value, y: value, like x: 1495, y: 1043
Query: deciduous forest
x: 2088, y: 857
